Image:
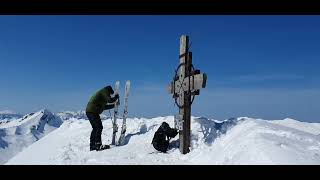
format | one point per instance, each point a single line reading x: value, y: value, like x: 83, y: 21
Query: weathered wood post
x: 186, y: 84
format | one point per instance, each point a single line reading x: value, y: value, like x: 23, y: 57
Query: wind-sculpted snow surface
x: 233, y: 141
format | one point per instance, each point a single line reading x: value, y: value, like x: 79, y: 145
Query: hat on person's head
x: 109, y: 88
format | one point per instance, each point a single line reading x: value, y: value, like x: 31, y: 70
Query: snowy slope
x: 17, y: 134
x: 234, y: 141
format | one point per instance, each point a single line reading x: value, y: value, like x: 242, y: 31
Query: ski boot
x: 99, y: 147
x: 102, y: 147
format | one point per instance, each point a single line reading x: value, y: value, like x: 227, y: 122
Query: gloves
x: 116, y: 96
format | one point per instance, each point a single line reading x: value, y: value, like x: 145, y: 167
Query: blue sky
x: 257, y: 66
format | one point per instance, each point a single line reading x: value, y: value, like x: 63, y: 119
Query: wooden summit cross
x: 186, y: 83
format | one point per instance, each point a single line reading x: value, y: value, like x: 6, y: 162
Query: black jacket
x: 162, y: 136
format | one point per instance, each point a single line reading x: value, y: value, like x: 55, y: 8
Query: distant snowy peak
x: 48, y: 117
x: 66, y: 115
x: 39, y: 118
x: 37, y: 113
x: 7, y: 112
x: 7, y: 115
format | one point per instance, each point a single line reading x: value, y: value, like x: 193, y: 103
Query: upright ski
x: 115, y: 115
x: 125, y: 114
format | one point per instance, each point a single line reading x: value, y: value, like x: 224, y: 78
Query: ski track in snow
x: 235, y: 141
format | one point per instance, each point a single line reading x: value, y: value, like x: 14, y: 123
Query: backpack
x: 162, y: 137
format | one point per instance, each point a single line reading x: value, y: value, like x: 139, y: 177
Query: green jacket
x: 98, y: 102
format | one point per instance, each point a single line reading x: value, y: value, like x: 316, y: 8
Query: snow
x: 234, y: 141
x: 17, y: 134
x: 8, y: 115
x: 66, y: 115
x: 307, y: 127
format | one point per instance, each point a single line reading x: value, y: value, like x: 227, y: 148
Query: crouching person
x: 162, y: 137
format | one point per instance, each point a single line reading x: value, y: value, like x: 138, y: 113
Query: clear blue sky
x: 258, y: 66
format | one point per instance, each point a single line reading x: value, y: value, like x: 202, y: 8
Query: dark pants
x: 95, y: 121
x: 161, y: 137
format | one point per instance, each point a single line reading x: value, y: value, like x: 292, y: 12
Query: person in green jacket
x: 99, y: 102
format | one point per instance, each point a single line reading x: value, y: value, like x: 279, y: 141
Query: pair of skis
x: 115, y: 115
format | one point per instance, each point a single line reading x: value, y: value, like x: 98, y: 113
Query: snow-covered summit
x: 232, y: 141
